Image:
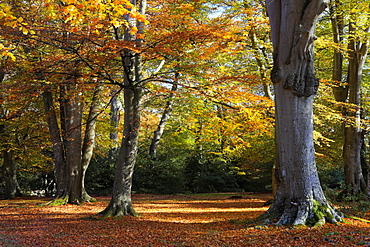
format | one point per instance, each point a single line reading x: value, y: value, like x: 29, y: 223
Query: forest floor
x: 176, y: 220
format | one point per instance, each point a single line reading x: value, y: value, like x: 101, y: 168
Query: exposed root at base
x: 117, y: 212
x: 303, y: 213
x: 57, y: 201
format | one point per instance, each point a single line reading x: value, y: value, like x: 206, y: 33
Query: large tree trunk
x: 121, y: 203
x: 89, y: 139
x: 73, y: 142
x: 9, y: 172
x: 71, y: 157
x: 9, y: 166
x: 299, y: 197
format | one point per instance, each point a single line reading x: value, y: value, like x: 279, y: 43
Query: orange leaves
x: 187, y: 220
x: 95, y: 13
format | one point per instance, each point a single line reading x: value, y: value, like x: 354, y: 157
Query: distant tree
x: 348, y: 92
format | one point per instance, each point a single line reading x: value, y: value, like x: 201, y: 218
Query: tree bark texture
x: 71, y: 155
x: 9, y: 166
x: 353, y: 137
x: 114, y: 121
x: 89, y: 138
x: 57, y: 143
x: 350, y: 93
x: 121, y: 203
x: 73, y: 142
x: 299, y: 196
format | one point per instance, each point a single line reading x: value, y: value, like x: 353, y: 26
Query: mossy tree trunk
x: 299, y: 198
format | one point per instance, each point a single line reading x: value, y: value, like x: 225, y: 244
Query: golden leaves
x: 99, y: 13
x: 166, y: 220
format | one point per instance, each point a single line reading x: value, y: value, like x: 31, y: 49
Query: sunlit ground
x: 176, y: 220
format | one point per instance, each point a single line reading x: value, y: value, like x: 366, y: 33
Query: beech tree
x: 9, y: 166
x: 133, y: 83
x: 349, y: 91
x: 299, y: 199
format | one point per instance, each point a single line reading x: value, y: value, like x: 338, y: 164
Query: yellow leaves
x: 133, y: 30
x: 96, y: 12
x: 5, y: 52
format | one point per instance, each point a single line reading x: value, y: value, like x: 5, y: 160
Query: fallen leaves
x: 178, y: 220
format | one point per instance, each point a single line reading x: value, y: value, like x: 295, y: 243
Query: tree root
x: 305, y: 212
x: 118, y: 211
x: 57, y: 201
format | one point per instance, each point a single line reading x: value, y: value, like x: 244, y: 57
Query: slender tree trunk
x: 340, y: 89
x: 354, y: 180
x: 299, y: 197
x: 121, y: 203
x: 261, y: 64
x: 349, y: 92
x: 89, y: 139
x: 162, y: 123
x: 57, y: 144
x: 114, y: 120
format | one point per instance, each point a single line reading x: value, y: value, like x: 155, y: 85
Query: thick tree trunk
x: 121, y: 203
x: 89, y: 139
x: 73, y: 142
x: 299, y: 197
x: 9, y: 172
x: 9, y: 166
x: 71, y: 157
x: 162, y: 123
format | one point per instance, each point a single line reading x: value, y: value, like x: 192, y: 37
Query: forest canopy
x: 188, y: 81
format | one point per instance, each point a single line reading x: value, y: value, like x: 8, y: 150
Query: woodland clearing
x: 167, y: 220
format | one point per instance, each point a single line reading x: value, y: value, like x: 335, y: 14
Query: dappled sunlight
x: 196, y: 212
x: 209, y: 220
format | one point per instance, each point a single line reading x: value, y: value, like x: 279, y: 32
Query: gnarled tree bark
x: 299, y: 198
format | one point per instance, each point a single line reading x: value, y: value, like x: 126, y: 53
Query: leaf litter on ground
x: 165, y: 220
